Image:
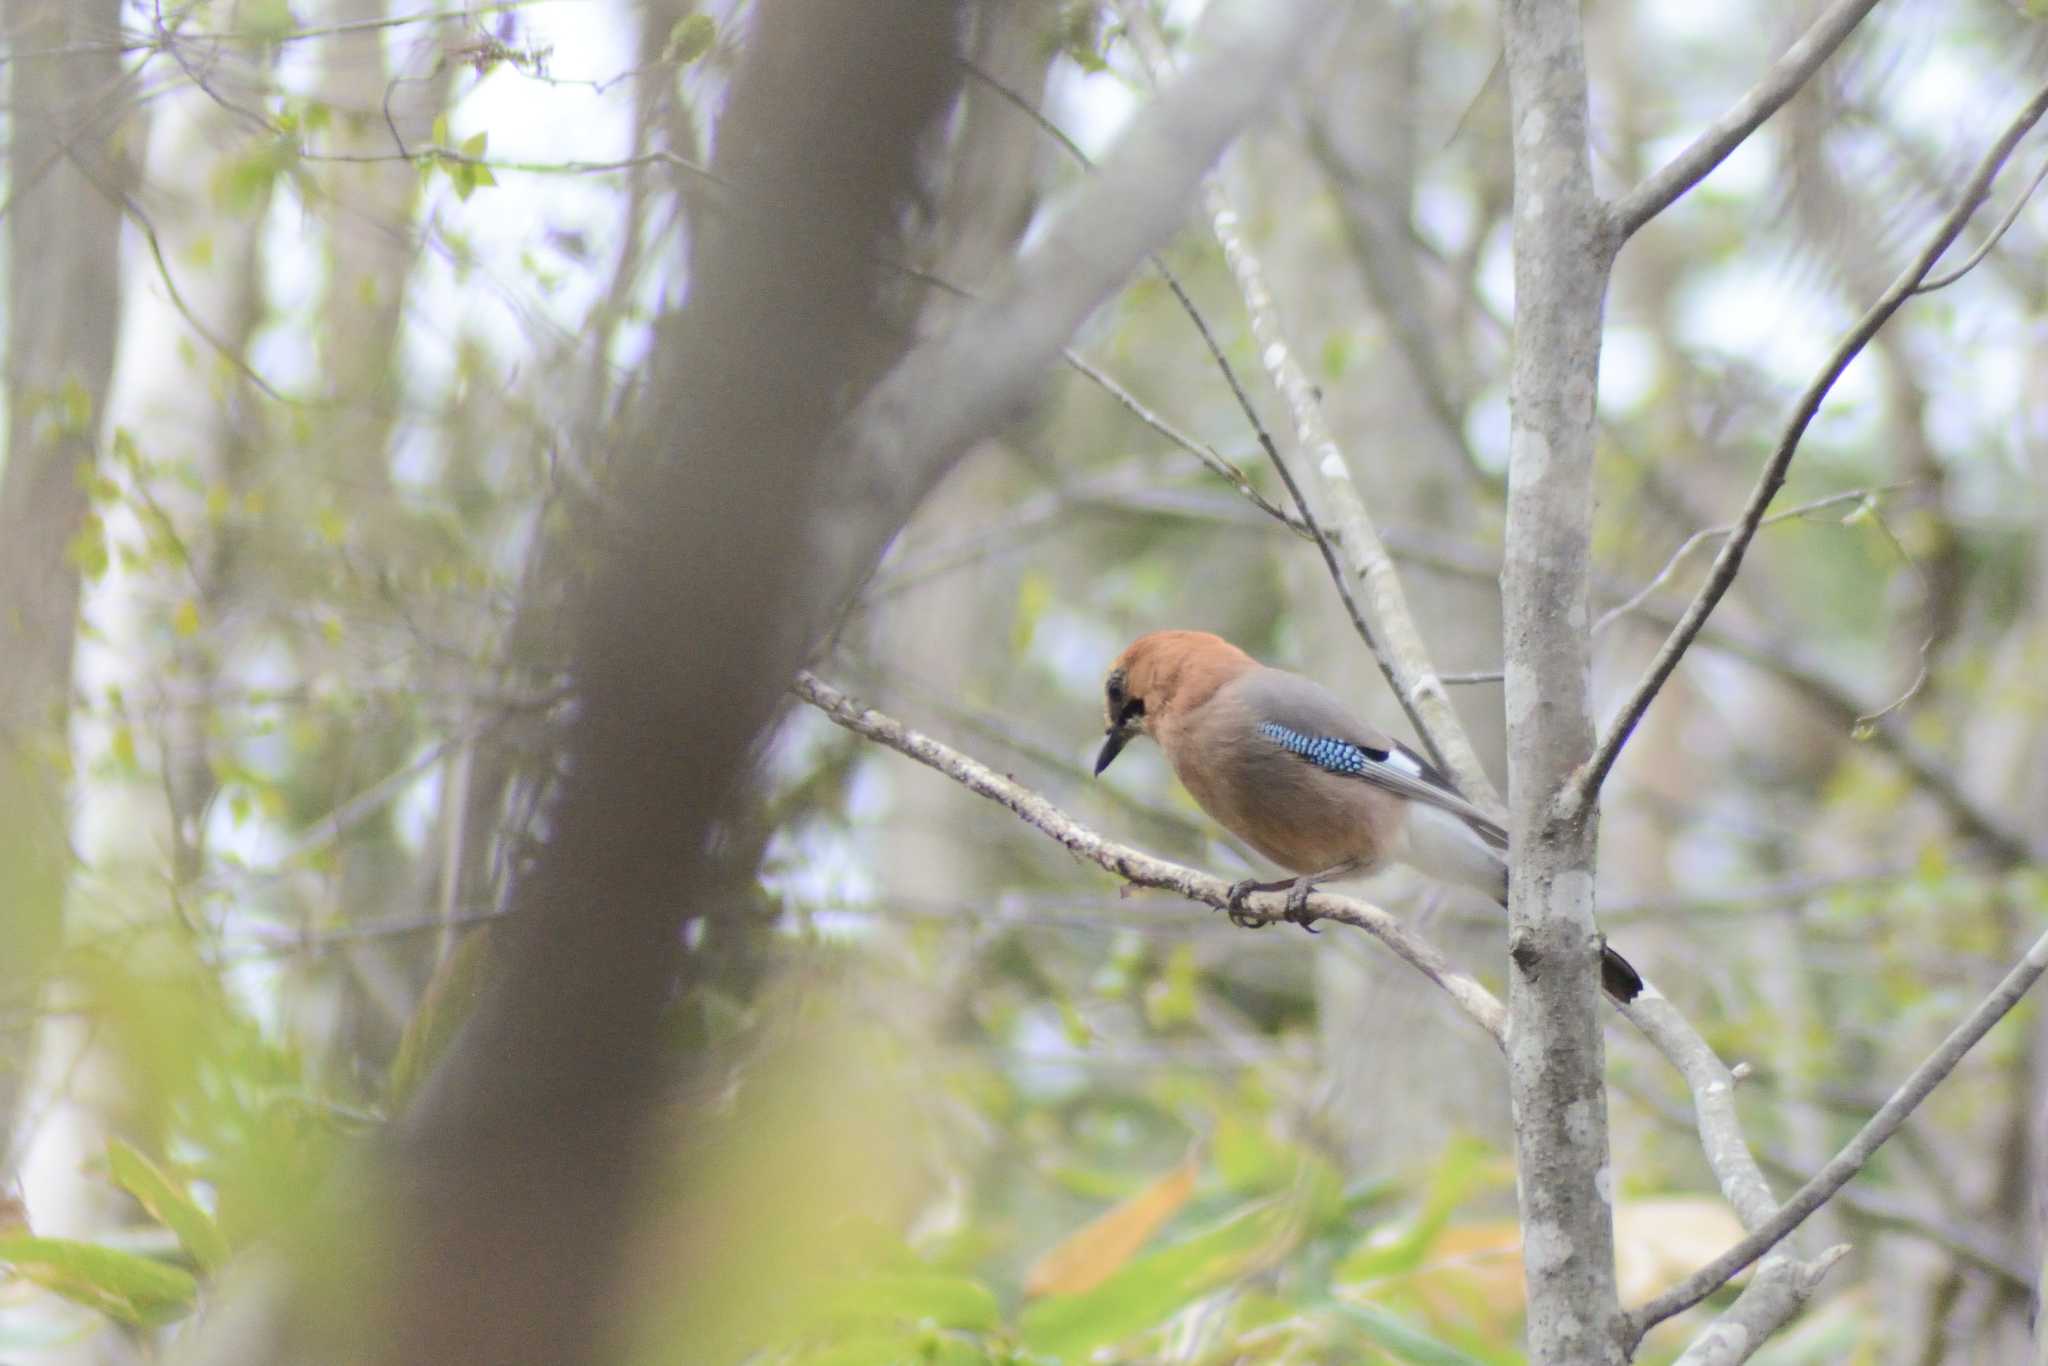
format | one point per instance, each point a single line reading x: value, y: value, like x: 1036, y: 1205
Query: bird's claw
x: 1233, y: 905
x: 1297, y: 907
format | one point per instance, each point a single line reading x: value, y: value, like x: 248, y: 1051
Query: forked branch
x: 1784, y: 80
x: 1729, y: 562
x: 1850, y: 1160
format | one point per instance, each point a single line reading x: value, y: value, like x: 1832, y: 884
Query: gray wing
x: 1306, y: 719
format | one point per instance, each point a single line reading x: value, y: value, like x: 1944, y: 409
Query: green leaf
x: 1398, y: 1338
x: 1395, y: 1249
x: 1152, y: 1288
x: 122, y: 748
x: 77, y: 407
x: 269, y: 20
x: 914, y: 1297
x: 1035, y: 596
x: 168, y: 1204
x: 86, y: 551
x: 243, y: 184
x: 1170, y: 1001
x: 690, y: 39
x: 135, y: 1290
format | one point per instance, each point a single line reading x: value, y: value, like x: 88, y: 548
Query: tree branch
x: 1785, y: 662
x: 1976, y: 257
x: 1729, y: 561
x: 1780, y: 1289
x: 914, y: 424
x: 1882, y: 1208
x: 1725, y: 134
x: 1141, y: 869
x: 1783, y: 1285
x: 1713, y: 1100
x: 1850, y: 1160
x: 1705, y: 534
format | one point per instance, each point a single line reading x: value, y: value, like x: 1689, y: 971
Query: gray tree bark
x: 1556, y: 1058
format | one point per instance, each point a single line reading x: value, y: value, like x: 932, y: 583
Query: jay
x: 1279, y: 761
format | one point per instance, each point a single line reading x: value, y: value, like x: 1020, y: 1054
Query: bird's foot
x: 1297, y: 905
x: 1234, y: 904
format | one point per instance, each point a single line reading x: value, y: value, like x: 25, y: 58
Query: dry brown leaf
x: 1094, y: 1252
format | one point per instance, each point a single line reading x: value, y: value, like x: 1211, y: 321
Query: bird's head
x: 1159, y: 676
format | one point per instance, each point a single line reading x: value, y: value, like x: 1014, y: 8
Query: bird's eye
x: 1132, y: 708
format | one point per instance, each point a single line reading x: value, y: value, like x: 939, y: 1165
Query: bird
x: 1276, y: 759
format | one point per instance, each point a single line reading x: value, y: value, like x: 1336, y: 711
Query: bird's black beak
x: 1111, y: 747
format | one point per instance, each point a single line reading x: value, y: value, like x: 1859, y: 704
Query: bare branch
x: 1879, y: 1207
x: 1705, y: 534
x: 1976, y: 257
x: 1201, y: 450
x: 1782, y: 1286
x: 913, y: 425
x: 1725, y: 134
x: 1726, y: 565
x: 1713, y: 1099
x: 1850, y: 1160
x: 1306, y: 524
x: 1868, y: 719
x: 1787, y: 662
x: 1141, y: 869
x: 1779, y: 1290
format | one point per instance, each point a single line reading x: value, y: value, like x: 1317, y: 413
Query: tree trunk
x: 1556, y: 1059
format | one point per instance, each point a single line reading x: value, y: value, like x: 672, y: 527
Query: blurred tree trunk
x: 475, y: 810
x: 67, y: 112
x: 516, y: 1181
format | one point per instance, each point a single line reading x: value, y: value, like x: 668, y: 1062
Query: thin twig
x: 1864, y: 723
x: 1586, y: 784
x: 1307, y: 521
x: 1201, y: 450
x: 1725, y: 134
x: 433, y: 152
x: 1850, y: 1160
x: 1782, y: 660
x: 1141, y: 869
x: 1976, y: 257
x: 1705, y: 534
x: 1879, y: 1207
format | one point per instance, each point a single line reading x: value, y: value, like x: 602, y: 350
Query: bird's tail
x: 1451, y: 850
x: 1622, y: 981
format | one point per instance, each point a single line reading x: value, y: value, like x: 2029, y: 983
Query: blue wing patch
x: 1337, y: 756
